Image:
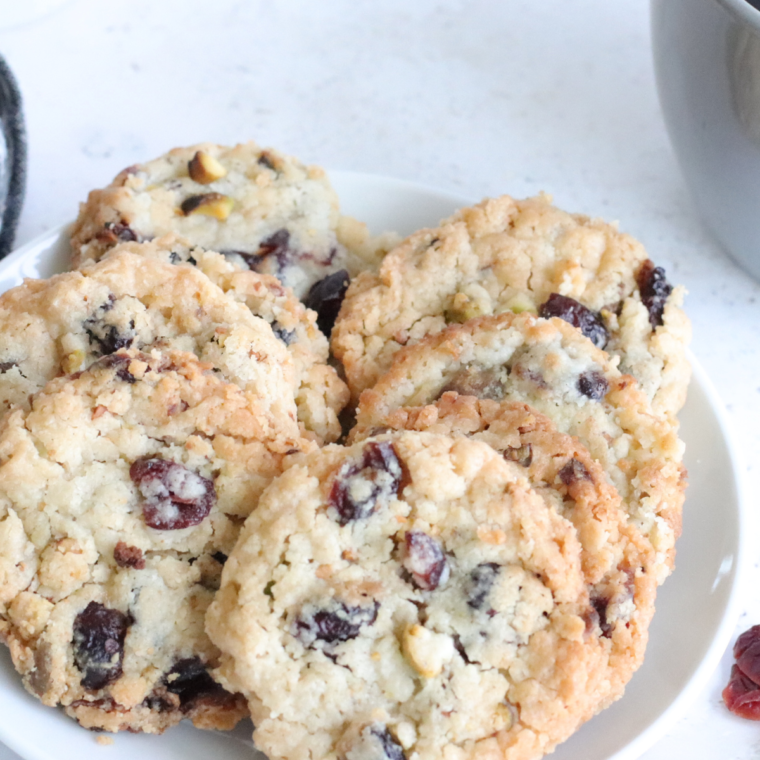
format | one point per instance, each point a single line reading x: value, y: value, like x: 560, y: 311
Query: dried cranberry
x: 189, y: 679
x: 742, y: 695
x: 286, y: 336
x: 5, y: 366
x: 425, y: 561
x: 107, y: 338
x: 600, y: 605
x: 480, y: 582
x: 359, y: 488
x: 266, y: 160
x: 459, y: 646
x: 275, y: 248
x: 654, y: 290
x: 113, y: 233
x: 159, y: 701
x: 523, y: 455
x: 276, y: 245
x: 589, y: 322
x: 326, y: 297
x: 174, y: 497
x: 340, y: 623
x: 128, y: 556
x: 98, y: 643
x: 594, y: 385
x: 573, y: 472
x: 121, y: 362
x: 481, y: 383
x: 747, y: 653
x: 391, y: 748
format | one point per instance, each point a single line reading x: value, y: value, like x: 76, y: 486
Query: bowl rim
x: 744, y: 12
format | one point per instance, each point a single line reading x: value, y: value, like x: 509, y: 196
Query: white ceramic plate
x: 697, y: 607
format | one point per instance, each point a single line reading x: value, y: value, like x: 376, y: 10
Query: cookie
x: 549, y: 365
x: 616, y: 561
x: 320, y: 393
x: 122, y: 490
x: 507, y: 255
x: 264, y: 210
x: 61, y: 325
x: 409, y: 596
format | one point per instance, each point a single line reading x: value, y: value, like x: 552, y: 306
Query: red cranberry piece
x: 174, y: 497
x: 654, y: 289
x: 189, y: 679
x: 392, y: 750
x: 286, y: 336
x: 98, y: 643
x: 425, y: 561
x: 481, y: 383
x: 589, y: 322
x: 275, y: 248
x: 360, y: 488
x: 573, y: 472
x: 340, y: 623
x: 107, y: 338
x: 523, y: 455
x: 594, y: 385
x: 113, y: 233
x: 747, y: 653
x: 128, y: 556
x: 121, y: 363
x: 326, y: 297
x: 265, y: 160
x: 600, y: 605
x: 742, y: 695
x: 480, y: 582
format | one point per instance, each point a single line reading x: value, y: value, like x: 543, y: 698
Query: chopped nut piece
x: 427, y: 652
x: 72, y: 362
x: 204, y: 168
x: 210, y: 204
x: 521, y: 302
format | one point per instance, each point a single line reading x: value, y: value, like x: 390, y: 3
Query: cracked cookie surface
x: 409, y: 596
x: 509, y: 255
x: 550, y: 366
x: 122, y: 491
x: 264, y: 210
x: 62, y: 325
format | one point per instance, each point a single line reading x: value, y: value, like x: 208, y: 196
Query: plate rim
x: 700, y: 676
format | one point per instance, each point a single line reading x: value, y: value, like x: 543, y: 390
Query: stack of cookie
x: 471, y: 571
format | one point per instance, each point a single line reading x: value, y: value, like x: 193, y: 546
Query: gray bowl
x: 707, y: 62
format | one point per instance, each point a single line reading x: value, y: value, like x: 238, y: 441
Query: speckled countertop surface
x: 476, y: 98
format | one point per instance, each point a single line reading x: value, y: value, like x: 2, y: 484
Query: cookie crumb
x: 104, y: 741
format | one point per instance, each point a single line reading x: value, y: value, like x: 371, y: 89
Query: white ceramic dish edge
x: 14, y: 265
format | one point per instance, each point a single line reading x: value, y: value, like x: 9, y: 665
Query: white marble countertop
x: 477, y: 98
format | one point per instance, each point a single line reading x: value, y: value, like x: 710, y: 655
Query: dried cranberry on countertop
x: 742, y: 694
